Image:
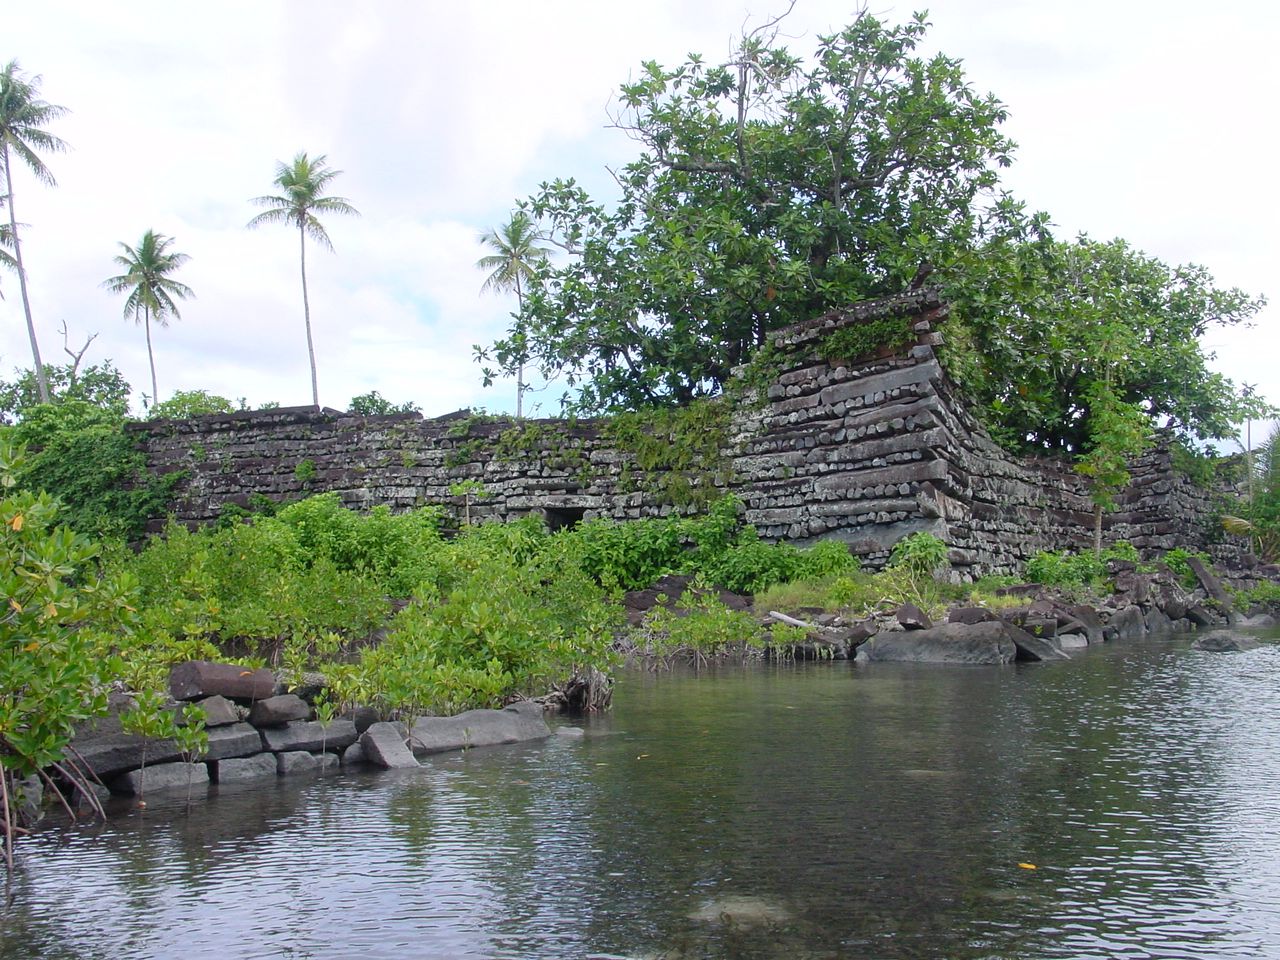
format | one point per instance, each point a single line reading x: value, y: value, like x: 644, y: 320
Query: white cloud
x: 1144, y: 120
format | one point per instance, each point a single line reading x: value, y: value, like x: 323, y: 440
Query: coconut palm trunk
x: 42, y: 383
x: 151, y: 357
x: 306, y: 316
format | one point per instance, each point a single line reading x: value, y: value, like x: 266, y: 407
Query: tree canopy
x: 23, y: 117
x: 152, y: 290
x: 301, y: 200
x: 768, y: 190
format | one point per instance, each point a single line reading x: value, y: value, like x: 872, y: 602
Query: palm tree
x: 512, y: 265
x: 303, y: 183
x: 151, y: 289
x: 22, y: 118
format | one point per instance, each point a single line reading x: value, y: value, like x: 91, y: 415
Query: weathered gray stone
x: 1224, y: 641
x: 112, y: 754
x: 570, y: 733
x: 309, y: 735
x: 256, y: 767
x: 970, y: 615
x: 278, y: 710
x: 1031, y: 647
x: 1259, y: 621
x: 479, y: 728
x: 913, y: 618
x: 984, y: 643
x: 196, y: 679
x: 1128, y: 622
x: 218, y: 711
x: 354, y: 756
x: 236, y: 740
x: 161, y: 777
x: 1072, y: 641
x: 384, y: 746
x: 296, y: 762
x: 1158, y: 622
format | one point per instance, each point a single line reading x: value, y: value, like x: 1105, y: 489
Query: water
x: 813, y: 811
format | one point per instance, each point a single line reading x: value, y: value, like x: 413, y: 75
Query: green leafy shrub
x: 185, y: 404
x: 1176, y: 560
x: 1064, y: 569
x: 705, y: 629
x: 500, y: 627
x: 60, y: 618
x: 921, y: 553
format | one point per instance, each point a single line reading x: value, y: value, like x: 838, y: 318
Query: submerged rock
x: 1224, y: 641
x: 741, y: 910
x: 479, y: 728
x: 988, y: 643
x: 162, y: 776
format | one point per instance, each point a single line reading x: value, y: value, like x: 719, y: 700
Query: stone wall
x: 866, y: 451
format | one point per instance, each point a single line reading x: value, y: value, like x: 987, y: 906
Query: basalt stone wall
x: 865, y: 451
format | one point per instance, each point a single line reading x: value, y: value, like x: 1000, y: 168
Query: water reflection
x: 1126, y: 804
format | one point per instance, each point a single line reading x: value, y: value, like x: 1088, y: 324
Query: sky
x: 1151, y: 121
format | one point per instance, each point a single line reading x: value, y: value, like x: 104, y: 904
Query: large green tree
x: 152, y: 291
x: 766, y: 191
x: 23, y: 117
x: 1047, y: 334
x: 513, y: 265
x: 300, y: 203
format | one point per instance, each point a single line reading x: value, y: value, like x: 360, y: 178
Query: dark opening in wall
x: 562, y: 518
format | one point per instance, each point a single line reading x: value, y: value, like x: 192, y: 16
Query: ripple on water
x: 1125, y: 804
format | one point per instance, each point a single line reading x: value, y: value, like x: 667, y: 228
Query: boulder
x: 1224, y: 641
x: 1046, y: 628
x: 384, y: 746
x: 363, y: 718
x: 479, y: 728
x: 111, y: 754
x: 1258, y: 621
x: 309, y: 735
x: 1128, y: 622
x: 354, y: 756
x: 1088, y: 618
x: 161, y: 776
x: 1031, y: 647
x: 218, y: 711
x: 278, y: 710
x: 256, y: 767
x: 236, y: 740
x: 913, y: 618
x: 985, y: 643
x: 196, y: 679
x: 970, y: 615
x: 1072, y: 641
x: 1212, y: 585
x: 1158, y: 621
x: 297, y: 762
x: 1202, y: 616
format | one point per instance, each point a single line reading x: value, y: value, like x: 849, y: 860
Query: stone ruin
x: 862, y: 450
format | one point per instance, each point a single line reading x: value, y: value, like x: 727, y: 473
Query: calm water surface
x: 814, y: 811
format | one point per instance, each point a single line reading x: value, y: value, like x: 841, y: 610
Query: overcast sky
x: 1152, y: 121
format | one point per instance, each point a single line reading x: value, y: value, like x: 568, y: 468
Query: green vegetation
x: 185, y: 404
x: 301, y: 199
x: 62, y: 621
x: 1067, y: 569
x: 860, y: 340
x: 373, y: 404
x: 767, y: 190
